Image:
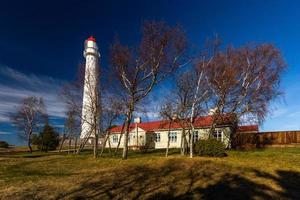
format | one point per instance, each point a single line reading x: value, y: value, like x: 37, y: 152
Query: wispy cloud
x: 16, y: 85
x: 285, y: 115
x: 278, y: 111
x: 294, y: 114
x: 5, y: 132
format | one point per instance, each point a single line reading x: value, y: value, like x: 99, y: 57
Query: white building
x: 155, y: 134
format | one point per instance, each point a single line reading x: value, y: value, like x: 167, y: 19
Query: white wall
x: 133, y: 141
x: 203, y: 134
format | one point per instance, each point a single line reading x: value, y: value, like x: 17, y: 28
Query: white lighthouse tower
x: 90, y: 93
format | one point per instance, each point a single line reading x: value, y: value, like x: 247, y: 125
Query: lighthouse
x: 90, y: 108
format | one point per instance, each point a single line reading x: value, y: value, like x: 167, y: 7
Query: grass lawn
x: 272, y: 173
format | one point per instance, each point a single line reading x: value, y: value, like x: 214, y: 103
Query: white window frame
x: 196, y: 133
x: 157, y: 137
x: 115, y: 139
x: 173, y: 137
x: 218, y: 134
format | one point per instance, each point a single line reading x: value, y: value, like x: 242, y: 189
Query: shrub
x: 144, y: 148
x: 4, y: 144
x: 210, y: 147
x: 48, y: 139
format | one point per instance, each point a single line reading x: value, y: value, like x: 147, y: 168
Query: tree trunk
x: 183, y: 142
x: 42, y: 146
x: 95, y: 143
x: 29, y: 146
x: 119, y: 142
x: 75, y: 148
x: 109, y: 147
x: 192, y: 141
x: 69, y: 146
x: 182, y: 145
x: 122, y: 132
x: 83, y: 143
x: 127, y: 126
x: 104, y: 144
x: 168, y: 144
x: 193, y: 113
x: 62, y: 142
x: 29, y: 143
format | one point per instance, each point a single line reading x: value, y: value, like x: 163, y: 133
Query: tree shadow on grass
x: 229, y: 186
x: 111, y: 184
x: 289, y: 182
x: 233, y: 186
x: 176, y: 180
x: 133, y: 181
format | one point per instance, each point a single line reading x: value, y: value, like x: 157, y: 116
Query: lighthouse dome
x: 90, y: 46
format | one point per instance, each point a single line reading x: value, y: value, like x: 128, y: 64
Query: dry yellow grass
x: 261, y: 174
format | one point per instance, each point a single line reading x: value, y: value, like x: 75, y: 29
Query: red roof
x: 91, y: 38
x: 164, y: 124
x: 248, y: 128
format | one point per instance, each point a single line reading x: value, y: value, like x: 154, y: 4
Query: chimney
x: 137, y: 120
x: 212, y: 111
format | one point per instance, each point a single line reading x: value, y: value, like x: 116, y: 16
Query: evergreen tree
x: 48, y: 139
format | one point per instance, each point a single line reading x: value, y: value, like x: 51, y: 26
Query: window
x: 196, y: 136
x: 157, y: 137
x: 173, y: 137
x: 218, y: 134
x: 115, y: 139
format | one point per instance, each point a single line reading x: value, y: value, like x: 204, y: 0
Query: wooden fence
x: 279, y: 137
x: 262, y: 139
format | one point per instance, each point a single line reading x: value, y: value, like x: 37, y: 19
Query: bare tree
x: 72, y: 95
x: 72, y: 127
x: 138, y: 70
x: 168, y: 113
x: 30, y: 115
x: 243, y: 82
x: 182, y: 101
x: 107, y: 108
x: 112, y: 111
x: 119, y: 141
x: 202, y: 94
x: 188, y: 101
x: 62, y: 140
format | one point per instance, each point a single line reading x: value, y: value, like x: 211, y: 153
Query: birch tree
x: 244, y: 81
x: 112, y: 112
x: 107, y: 108
x: 167, y: 112
x: 188, y: 100
x: 199, y: 101
x: 29, y: 116
x: 139, y: 69
x: 72, y: 127
x: 72, y: 95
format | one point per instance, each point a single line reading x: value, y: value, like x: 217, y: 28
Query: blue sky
x: 41, y: 44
